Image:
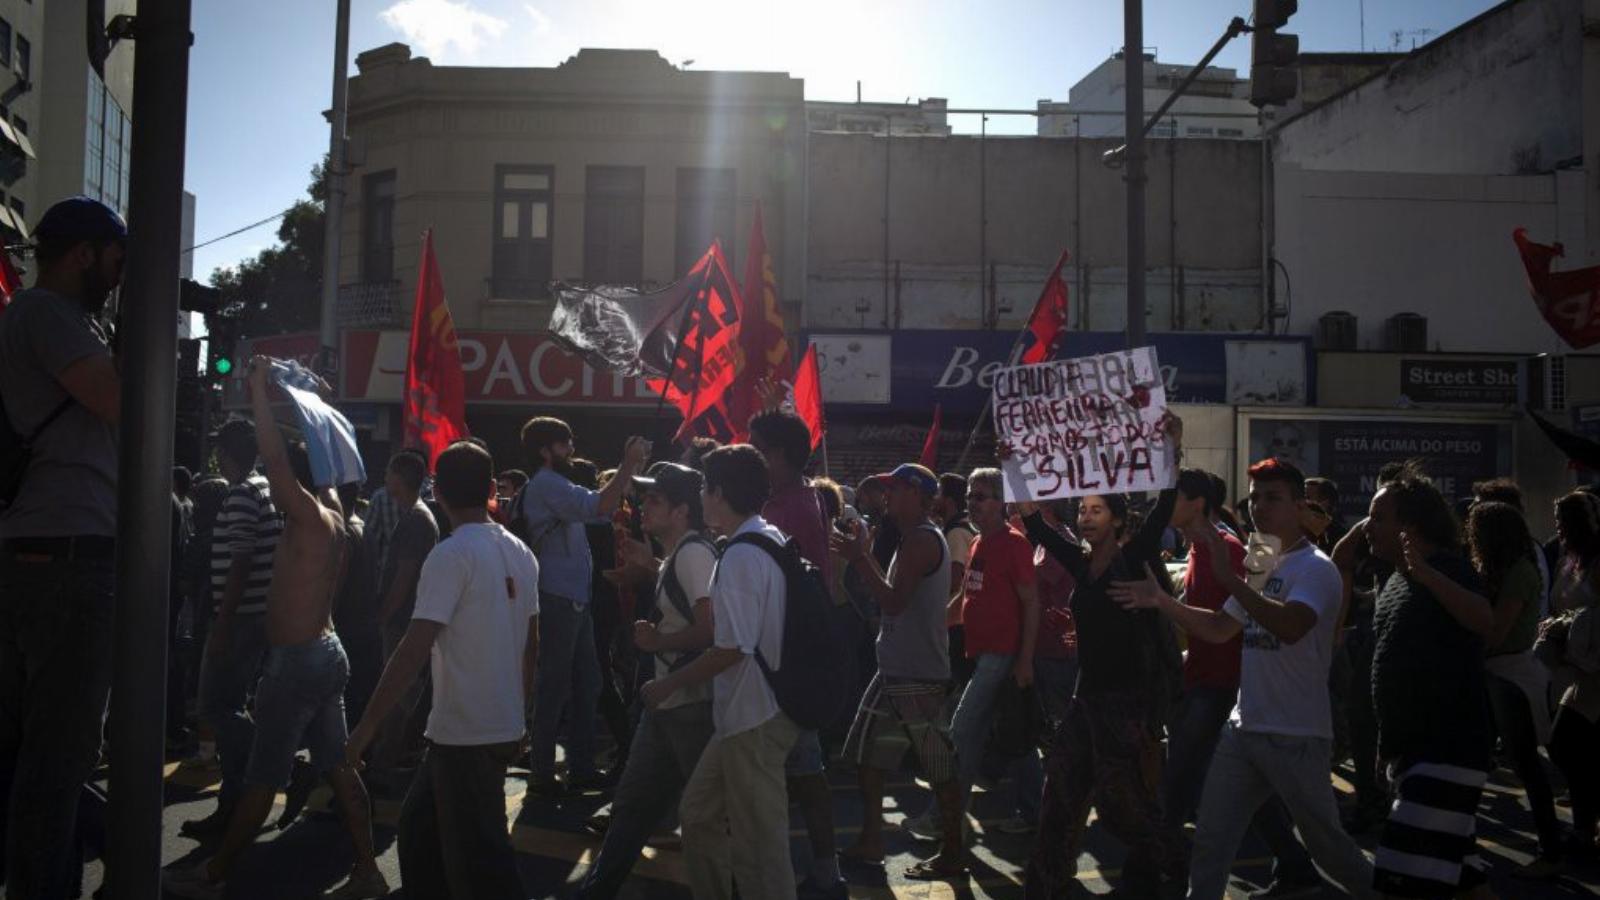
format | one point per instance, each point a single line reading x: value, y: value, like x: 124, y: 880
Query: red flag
x: 1570, y: 300
x: 763, y: 345
x: 704, y: 355
x: 10, y: 281
x: 808, y: 396
x: 1049, y: 319
x: 436, y: 404
x: 930, y: 447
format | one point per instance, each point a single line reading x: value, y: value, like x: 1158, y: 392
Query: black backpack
x: 817, y: 679
x: 16, y: 450
x: 679, y: 600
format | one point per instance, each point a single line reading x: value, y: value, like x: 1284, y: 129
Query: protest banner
x: 1091, y: 425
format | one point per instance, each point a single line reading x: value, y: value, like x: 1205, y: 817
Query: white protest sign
x: 1092, y: 425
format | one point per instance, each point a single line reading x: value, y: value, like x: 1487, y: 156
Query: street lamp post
x: 1133, y: 174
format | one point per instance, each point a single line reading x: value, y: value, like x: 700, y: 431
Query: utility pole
x: 1133, y: 128
x: 148, y: 360
x: 334, y: 210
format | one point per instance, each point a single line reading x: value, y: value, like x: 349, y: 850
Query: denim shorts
x: 299, y: 703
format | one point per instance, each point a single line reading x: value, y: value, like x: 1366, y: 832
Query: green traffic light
x: 224, y: 366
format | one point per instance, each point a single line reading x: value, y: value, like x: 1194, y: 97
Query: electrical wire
x: 236, y: 232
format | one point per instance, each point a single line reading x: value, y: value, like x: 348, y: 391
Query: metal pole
x: 1133, y: 127
x: 888, y: 170
x: 333, y: 213
x: 144, y: 460
x: 983, y: 222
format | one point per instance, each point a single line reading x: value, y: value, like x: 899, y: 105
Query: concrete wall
x: 1376, y: 244
x: 956, y: 203
x: 1499, y: 95
x: 444, y: 129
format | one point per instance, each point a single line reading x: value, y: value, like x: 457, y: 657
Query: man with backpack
x: 671, y: 736
x: 735, y: 808
x: 550, y: 514
x: 58, y: 523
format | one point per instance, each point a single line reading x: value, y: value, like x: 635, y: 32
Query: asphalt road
x: 313, y: 855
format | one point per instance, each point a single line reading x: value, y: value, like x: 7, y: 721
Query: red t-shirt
x: 991, y: 612
x: 1207, y: 664
x: 797, y: 511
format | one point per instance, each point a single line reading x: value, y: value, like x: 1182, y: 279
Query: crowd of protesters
x: 1184, y: 661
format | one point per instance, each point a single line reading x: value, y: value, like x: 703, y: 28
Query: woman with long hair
x: 1502, y: 553
x: 1129, y: 669
x: 1575, y: 629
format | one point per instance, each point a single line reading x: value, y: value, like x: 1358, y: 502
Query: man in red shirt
x: 1210, y: 671
x: 1000, y: 614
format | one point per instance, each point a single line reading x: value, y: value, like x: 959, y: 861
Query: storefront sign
x: 513, y: 368
x: 1091, y: 425
x: 1459, y: 380
x: 1351, y: 451
x: 510, y: 368
x: 957, y: 368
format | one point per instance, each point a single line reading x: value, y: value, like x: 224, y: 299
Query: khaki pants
x: 735, y: 815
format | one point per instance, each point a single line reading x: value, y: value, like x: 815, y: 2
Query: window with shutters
x: 613, y: 225
x: 705, y: 213
x: 523, y: 201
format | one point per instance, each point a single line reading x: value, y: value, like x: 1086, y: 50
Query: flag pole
x: 826, y: 471
x: 1011, y: 360
x: 677, y: 352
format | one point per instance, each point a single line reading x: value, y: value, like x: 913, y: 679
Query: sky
x: 261, y: 73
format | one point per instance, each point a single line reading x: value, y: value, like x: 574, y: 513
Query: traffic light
x: 1274, y: 80
x: 197, y: 298
x: 221, y: 338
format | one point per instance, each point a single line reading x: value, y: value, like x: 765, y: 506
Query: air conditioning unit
x: 1406, y: 333
x: 1336, y: 331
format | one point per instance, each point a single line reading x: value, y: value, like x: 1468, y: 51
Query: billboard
x: 1351, y: 450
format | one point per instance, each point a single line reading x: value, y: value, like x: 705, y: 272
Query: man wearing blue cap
x: 61, y: 396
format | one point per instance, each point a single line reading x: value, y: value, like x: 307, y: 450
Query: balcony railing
x: 372, y: 304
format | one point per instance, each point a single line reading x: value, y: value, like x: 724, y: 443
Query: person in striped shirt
x: 243, y: 541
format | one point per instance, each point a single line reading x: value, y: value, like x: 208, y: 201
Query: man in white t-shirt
x: 671, y: 736
x: 476, y: 620
x: 1279, y: 739
x: 735, y: 808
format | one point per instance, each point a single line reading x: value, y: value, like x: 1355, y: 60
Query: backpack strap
x: 48, y: 420
x: 788, y: 560
x: 669, y: 577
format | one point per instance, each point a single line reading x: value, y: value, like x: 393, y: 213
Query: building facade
x: 923, y: 117
x: 910, y: 257
x: 1217, y: 105
x: 613, y: 167
x: 64, y: 129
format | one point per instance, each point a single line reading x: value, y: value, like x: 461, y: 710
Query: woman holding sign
x: 1108, y: 750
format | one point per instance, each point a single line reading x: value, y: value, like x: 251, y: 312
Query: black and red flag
x: 681, y: 339
x: 1570, y: 300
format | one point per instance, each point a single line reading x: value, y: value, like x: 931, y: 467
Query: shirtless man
x: 300, y: 699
